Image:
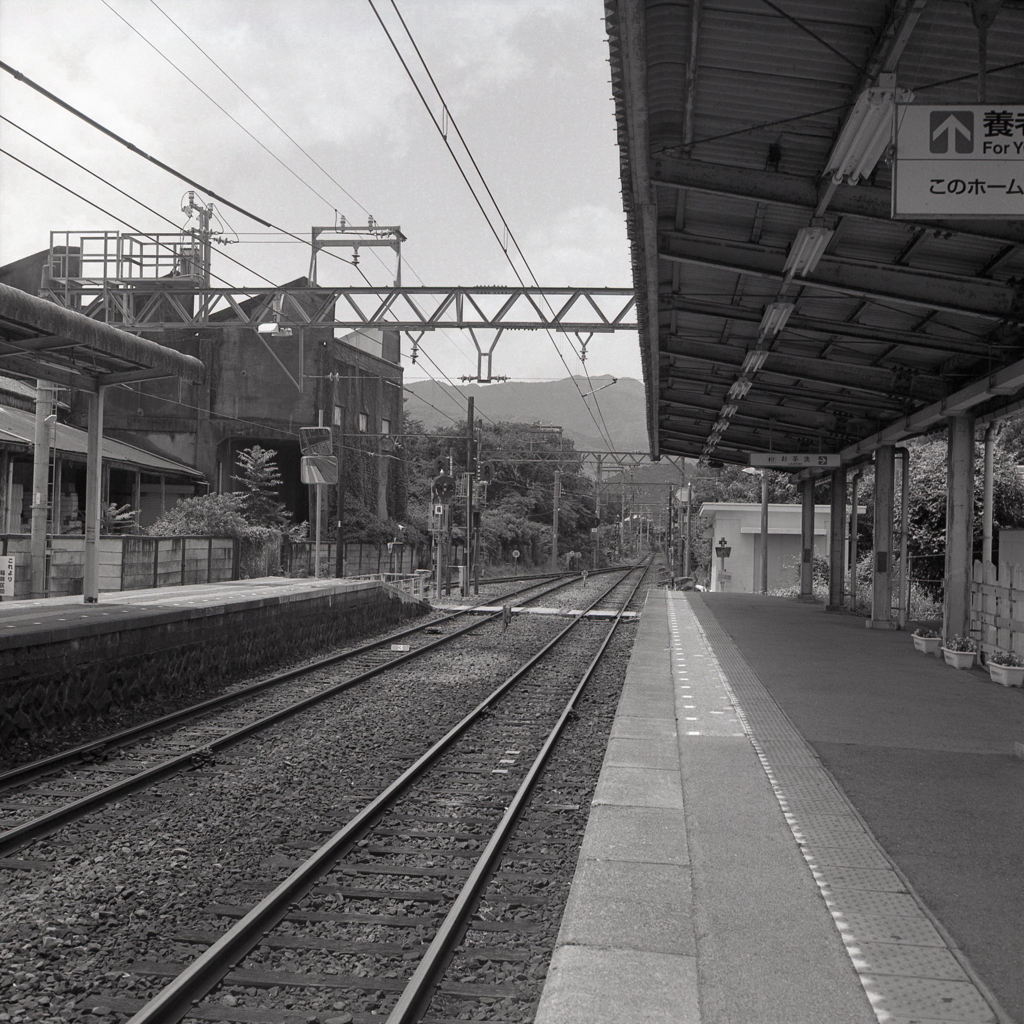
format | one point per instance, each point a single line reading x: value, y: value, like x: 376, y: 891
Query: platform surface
x: 797, y: 820
x: 40, y: 620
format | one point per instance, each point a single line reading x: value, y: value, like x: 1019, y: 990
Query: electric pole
x: 470, y: 473
x: 554, y: 519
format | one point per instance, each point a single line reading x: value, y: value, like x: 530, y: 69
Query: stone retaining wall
x: 86, y: 670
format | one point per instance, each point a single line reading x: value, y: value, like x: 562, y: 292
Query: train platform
x: 61, y: 657
x: 798, y: 821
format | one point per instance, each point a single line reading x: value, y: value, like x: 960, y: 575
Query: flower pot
x: 958, y: 659
x: 927, y: 644
x: 1008, y: 675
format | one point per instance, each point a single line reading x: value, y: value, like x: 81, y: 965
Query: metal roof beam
x: 973, y: 296
x: 822, y: 371
x: 27, y: 366
x: 778, y: 428
x: 835, y: 328
x: 862, y: 201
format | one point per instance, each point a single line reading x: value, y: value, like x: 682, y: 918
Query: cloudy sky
x: 526, y: 80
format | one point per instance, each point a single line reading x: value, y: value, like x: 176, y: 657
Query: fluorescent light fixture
x: 739, y: 388
x: 754, y: 360
x: 867, y: 131
x: 775, y: 317
x: 806, y: 250
x: 729, y: 411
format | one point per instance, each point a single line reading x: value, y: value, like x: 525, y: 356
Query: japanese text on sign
x: 6, y: 575
x: 959, y: 161
x: 798, y: 460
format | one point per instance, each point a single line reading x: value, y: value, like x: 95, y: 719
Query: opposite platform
x: 724, y: 879
x: 60, y: 657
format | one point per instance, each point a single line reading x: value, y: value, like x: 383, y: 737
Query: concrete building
x: 739, y: 523
x: 259, y: 387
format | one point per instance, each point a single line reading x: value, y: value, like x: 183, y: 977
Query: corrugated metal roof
x: 900, y: 313
x: 18, y: 427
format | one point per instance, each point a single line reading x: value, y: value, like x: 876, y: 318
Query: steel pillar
x: 882, y: 549
x: 956, y: 607
x: 807, y: 540
x: 93, y: 486
x: 763, y: 566
x: 986, y: 507
x: 836, y: 536
x: 40, y: 487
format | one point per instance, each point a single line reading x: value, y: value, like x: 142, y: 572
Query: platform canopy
x: 39, y: 339
x: 781, y: 307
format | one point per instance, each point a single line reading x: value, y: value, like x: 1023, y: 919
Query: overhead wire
x: 286, y: 134
x: 476, y: 198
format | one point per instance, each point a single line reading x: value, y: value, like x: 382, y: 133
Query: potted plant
x: 926, y: 640
x: 960, y: 651
x: 1006, y: 668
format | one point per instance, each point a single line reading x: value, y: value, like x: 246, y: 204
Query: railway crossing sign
x: 959, y: 160
x: 795, y: 460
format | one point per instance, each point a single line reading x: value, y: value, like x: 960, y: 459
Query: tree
x: 207, y: 515
x: 261, y: 481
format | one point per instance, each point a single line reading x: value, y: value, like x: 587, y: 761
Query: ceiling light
x: 729, y: 410
x: 775, y: 317
x: 866, y: 132
x: 739, y: 388
x: 754, y: 360
x: 806, y: 250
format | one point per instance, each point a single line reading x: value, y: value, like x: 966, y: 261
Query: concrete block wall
x: 82, y: 671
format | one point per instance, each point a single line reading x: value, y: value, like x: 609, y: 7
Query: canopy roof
x: 41, y: 339
x: 728, y: 111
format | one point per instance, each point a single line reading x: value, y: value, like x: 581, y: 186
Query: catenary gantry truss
x: 728, y: 111
x: 157, y: 305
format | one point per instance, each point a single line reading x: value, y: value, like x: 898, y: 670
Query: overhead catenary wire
x: 476, y: 198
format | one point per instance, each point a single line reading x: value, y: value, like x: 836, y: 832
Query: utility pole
x: 597, y: 514
x: 339, y: 534
x: 40, y: 486
x: 764, y: 532
x: 668, y: 532
x: 554, y: 519
x: 686, y: 555
x: 470, y: 473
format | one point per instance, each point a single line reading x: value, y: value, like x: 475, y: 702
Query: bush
x: 208, y: 515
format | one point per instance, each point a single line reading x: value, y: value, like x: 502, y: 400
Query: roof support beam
x: 791, y: 190
x: 964, y: 295
x: 822, y: 371
x: 846, y: 330
x: 26, y: 366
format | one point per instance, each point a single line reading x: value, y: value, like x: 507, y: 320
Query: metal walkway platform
x: 797, y: 820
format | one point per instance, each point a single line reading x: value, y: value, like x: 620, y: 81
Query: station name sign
x: 791, y: 461
x: 959, y: 160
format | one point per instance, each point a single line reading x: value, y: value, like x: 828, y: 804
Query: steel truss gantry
x: 157, y: 305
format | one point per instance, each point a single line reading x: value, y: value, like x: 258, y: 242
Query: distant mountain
x: 556, y: 402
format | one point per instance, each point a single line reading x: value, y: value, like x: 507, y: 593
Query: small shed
x: 740, y: 524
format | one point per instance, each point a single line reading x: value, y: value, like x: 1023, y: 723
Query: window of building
x: 385, y: 426
x: 339, y: 415
x: 363, y: 423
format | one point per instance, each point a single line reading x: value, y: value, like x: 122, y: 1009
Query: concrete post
x: 986, y: 514
x: 763, y: 566
x: 93, y: 486
x: 956, y: 609
x: 853, y: 540
x: 807, y: 540
x: 836, y: 536
x: 881, y: 578
x: 40, y: 487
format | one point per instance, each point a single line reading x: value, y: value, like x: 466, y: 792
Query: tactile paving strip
x: 909, y: 971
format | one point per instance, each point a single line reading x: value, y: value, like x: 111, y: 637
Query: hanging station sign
x: 959, y: 160
x: 791, y: 461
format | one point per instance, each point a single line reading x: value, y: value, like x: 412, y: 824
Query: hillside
x: 555, y: 401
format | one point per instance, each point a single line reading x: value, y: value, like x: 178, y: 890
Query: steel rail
x: 416, y: 997
x: 176, y: 999
x: 16, y: 838
x: 34, y: 769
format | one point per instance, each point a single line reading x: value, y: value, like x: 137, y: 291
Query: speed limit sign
x: 515, y: 554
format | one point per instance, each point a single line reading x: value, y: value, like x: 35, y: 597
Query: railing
x: 997, y: 608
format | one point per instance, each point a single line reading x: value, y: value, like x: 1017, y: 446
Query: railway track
x: 378, y: 913
x: 40, y: 798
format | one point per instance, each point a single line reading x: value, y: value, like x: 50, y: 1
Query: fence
x: 359, y: 559
x: 997, y: 607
